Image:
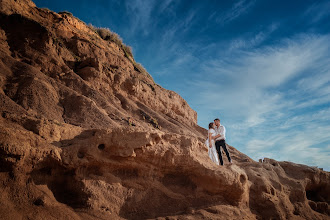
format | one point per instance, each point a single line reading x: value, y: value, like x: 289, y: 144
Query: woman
x: 213, y: 154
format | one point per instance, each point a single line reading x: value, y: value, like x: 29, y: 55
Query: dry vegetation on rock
x: 85, y: 135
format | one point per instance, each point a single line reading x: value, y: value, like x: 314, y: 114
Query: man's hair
x: 217, y: 119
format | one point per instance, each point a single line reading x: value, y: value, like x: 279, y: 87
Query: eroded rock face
x: 85, y: 135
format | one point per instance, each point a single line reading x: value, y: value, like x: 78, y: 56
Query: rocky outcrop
x: 85, y: 134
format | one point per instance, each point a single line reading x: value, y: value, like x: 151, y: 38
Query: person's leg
x: 224, y: 147
x: 217, y: 146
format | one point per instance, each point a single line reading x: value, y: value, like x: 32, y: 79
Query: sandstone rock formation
x: 84, y: 134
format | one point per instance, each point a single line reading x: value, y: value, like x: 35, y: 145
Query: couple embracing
x: 217, y: 139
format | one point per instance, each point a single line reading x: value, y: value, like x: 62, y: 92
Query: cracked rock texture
x: 86, y: 135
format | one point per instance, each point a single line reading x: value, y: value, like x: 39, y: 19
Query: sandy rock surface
x: 85, y: 135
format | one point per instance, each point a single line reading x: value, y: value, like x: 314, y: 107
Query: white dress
x: 213, y: 154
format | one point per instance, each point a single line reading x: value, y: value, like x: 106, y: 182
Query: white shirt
x: 222, y: 131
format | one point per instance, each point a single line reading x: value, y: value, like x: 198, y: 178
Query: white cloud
x: 170, y: 50
x: 238, y: 9
x: 248, y: 42
x: 247, y: 76
x: 139, y: 12
x: 173, y: 34
x: 253, y: 146
x: 318, y: 11
x: 164, y: 5
x: 272, y: 97
x: 298, y: 140
x: 319, y: 82
x: 303, y: 146
x: 313, y: 101
x: 310, y: 119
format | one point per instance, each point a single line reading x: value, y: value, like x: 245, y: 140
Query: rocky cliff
x: 85, y: 133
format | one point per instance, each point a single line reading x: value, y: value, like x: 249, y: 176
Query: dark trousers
x: 222, y: 143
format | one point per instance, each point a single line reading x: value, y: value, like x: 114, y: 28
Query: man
x: 221, y: 141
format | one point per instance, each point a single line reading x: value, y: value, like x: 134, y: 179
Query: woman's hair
x: 210, y: 125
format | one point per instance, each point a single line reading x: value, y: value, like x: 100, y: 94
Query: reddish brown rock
x: 85, y: 134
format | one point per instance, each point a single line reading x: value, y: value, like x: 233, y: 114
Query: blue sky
x: 262, y: 67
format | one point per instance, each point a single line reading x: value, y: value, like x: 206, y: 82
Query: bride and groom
x: 217, y: 139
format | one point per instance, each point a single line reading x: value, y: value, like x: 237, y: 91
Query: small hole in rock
x: 39, y: 202
x: 101, y: 146
x: 296, y: 211
x: 80, y: 154
x: 242, y: 178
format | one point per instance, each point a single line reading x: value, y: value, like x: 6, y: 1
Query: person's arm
x: 216, y: 136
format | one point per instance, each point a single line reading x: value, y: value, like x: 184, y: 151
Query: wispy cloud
x: 317, y: 83
x: 272, y: 95
x: 267, y: 67
x: 318, y: 11
x: 171, y: 41
x: 297, y: 139
x: 238, y: 9
x: 252, y: 39
x: 164, y: 5
x: 139, y: 13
